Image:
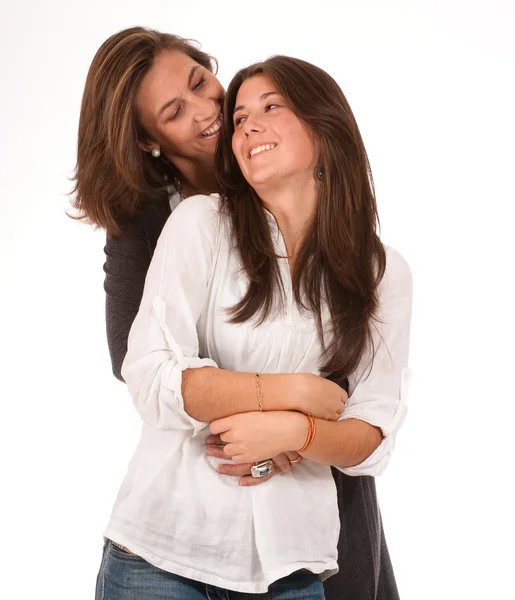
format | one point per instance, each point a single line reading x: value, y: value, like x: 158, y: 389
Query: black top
x: 365, y: 568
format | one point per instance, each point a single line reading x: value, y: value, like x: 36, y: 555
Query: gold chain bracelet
x: 258, y: 392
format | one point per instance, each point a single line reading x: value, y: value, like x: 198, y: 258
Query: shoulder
x: 197, y: 209
x: 395, y: 289
x: 195, y: 217
x: 397, y: 267
x: 145, y: 224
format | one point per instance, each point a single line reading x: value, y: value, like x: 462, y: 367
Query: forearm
x: 211, y: 394
x: 341, y: 444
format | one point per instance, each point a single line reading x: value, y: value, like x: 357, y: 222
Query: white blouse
x: 173, y: 508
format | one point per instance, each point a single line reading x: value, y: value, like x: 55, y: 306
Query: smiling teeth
x: 262, y: 148
x: 212, y: 129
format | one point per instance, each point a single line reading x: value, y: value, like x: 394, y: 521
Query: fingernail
x: 243, y: 483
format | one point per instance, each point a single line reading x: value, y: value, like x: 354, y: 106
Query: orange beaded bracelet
x: 311, y: 433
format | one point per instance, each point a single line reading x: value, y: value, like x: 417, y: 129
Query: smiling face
x: 270, y: 143
x: 179, y: 104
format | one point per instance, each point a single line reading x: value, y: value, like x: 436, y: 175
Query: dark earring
x: 319, y: 174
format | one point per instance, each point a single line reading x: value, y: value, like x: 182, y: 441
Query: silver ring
x: 262, y: 469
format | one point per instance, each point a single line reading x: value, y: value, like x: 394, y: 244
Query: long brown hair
x: 342, y: 257
x: 113, y: 176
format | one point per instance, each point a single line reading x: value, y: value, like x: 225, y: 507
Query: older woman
x: 149, y: 124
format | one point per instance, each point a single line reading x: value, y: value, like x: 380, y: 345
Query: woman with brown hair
x: 149, y: 124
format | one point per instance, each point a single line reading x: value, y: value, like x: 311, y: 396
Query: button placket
x: 284, y: 270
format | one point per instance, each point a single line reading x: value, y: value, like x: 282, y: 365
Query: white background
x: 431, y: 84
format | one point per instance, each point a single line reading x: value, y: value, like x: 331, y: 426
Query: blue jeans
x: 125, y: 576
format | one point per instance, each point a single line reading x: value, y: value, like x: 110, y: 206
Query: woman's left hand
x: 254, y: 436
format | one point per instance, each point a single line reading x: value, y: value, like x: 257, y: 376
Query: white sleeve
x: 163, y: 339
x: 377, y: 393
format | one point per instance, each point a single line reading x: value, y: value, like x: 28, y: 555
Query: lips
x: 213, y: 128
x: 260, y: 148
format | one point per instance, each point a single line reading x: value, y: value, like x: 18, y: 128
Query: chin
x: 260, y: 179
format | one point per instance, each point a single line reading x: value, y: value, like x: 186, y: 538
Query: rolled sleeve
x: 378, y: 388
x: 163, y: 340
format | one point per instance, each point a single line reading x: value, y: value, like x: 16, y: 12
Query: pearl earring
x: 319, y: 174
x: 156, y: 153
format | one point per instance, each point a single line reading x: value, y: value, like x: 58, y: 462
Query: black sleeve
x: 126, y: 265
x: 128, y: 257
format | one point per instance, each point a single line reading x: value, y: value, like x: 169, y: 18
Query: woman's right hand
x: 319, y: 397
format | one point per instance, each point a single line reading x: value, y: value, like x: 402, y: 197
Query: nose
x: 204, y: 108
x: 252, y: 125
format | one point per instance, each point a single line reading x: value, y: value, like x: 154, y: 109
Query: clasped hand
x: 246, y: 438
x: 254, y: 436
x: 241, y: 439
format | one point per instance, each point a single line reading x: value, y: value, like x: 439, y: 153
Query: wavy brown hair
x: 342, y: 257
x: 113, y: 176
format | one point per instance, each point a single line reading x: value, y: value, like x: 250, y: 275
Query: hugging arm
x: 127, y: 258
x: 362, y: 441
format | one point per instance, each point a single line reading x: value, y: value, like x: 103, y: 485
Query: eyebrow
x: 262, y: 97
x: 170, y: 102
